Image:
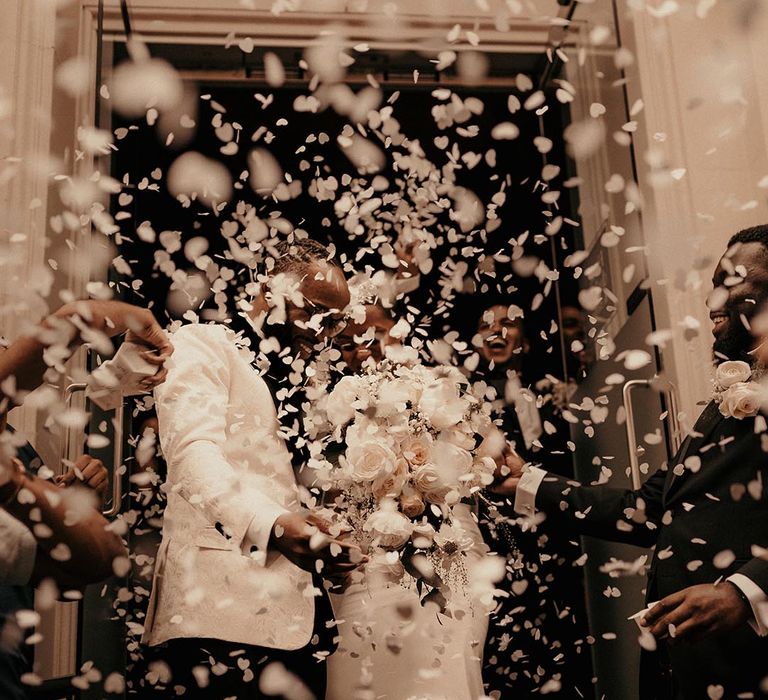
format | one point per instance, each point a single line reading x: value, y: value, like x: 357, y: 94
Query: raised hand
x: 306, y: 540
x: 698, y: 612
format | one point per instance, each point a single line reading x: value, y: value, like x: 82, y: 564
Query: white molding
x: 31, y: 43
x: 196, y: 22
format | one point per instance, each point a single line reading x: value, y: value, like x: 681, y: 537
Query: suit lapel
x: 706, y: 424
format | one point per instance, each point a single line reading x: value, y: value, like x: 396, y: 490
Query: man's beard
x: 734, y: 343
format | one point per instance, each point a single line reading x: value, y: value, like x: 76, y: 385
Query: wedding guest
x: 21, y: 566
x: 53, y: 533
x: 537, y: 640
x: 579, y: 347
x: 236, y: 600
x: 705, y: 511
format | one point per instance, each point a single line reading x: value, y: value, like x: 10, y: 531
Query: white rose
x: 441, y: 404
x: 731, y: 372
x: 389, y: 528
x: 341, y: 402
x: 426, y: 479
x: 740, y: 400
x: 364, y: 430
x: 460, y: 437
x: 390, y: 483
x: 454, y: 461
x: 417, y: 449
x: 370, y: 460
x: 393, y: 397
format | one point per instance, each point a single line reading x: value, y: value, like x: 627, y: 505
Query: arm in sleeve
x: 758, y: 601
x: 18, y: 549
x: 191, y: 410
x: 620, y: 515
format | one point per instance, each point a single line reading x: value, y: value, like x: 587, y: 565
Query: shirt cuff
x: 527, y: 488
x: 256, y: 541
x: 18, y: 549
x: 758, y: 600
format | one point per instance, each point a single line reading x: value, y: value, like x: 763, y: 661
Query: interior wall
x: 26, y: 77
x: 702, y: 159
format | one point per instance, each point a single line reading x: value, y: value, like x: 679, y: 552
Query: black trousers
x: 212, y: 669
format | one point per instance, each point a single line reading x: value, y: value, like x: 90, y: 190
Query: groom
x: 235, y: 603
x: 706, y: 512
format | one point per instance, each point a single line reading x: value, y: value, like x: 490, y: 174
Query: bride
x: 391, y: 646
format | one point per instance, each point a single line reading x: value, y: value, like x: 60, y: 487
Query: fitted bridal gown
x: 393, y: 648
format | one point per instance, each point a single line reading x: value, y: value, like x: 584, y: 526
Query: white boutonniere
x: 736, y: 392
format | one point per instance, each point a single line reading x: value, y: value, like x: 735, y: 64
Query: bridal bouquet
x: 395, y: 450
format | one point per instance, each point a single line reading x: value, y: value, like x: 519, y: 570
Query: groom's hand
x: 304, y: 539
x: 698, y: 612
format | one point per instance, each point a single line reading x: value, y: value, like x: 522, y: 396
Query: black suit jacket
x: 539, y: 630
x: 710, y: 499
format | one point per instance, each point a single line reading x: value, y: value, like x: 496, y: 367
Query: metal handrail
x: 673, y: 424
x: 117, y: 449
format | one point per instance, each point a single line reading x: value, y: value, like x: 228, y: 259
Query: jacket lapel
x: 705, y: 425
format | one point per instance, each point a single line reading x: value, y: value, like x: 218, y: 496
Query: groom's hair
x: 298, y: 255
x: 756, y: 234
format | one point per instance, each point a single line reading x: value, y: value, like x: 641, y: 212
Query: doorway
x: 588, y: 205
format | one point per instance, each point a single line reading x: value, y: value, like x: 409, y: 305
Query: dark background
x: 143, y: 151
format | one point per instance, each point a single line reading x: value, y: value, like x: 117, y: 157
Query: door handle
x: 117, y: 449
x: 673, y: 424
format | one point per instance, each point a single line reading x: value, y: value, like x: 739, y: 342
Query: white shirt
x: 525, y: 504
x: 17, y: 551
x: 524, y: 401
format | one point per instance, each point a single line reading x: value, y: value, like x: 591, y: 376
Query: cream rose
x: 740, y: 400
x: 453, y: 461
x: 732, y: 372
x: 389, y: 528
x: 417, y: 449
x: 390, y: 483
x: 370, y: 460
x: 426, y: 479
x: 411, y: 502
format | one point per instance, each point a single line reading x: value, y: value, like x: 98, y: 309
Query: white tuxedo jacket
x: 229, y: 478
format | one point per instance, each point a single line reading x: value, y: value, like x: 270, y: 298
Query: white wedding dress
x: 393, y: 648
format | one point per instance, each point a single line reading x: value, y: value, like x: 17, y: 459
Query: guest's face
x: 503, y: 340
x: 740, y: 290
x: 578, y: 346
x: 360, y: 341
x: 326, y: 295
